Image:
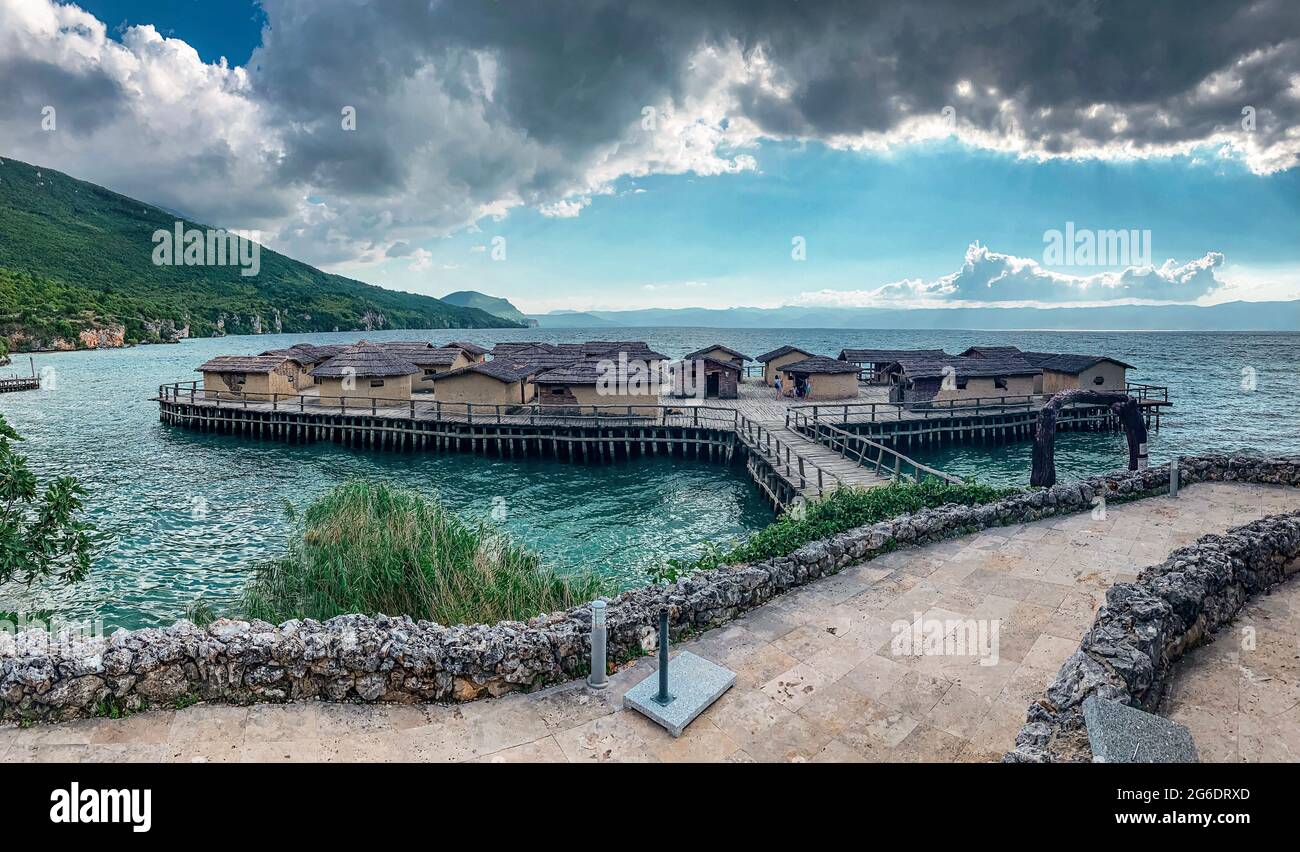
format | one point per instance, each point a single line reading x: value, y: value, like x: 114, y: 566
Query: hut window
x: 431, y: 372
x: 557, y: 391
x: 1099, y: 380
x: 376, y: 383
x: 961, y: 384
x: 1000, y: 382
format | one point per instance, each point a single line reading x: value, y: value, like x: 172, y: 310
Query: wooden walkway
x: 791, y: 448
x: 774, y: 439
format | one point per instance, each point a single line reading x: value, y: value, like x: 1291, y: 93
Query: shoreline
x: 360, y: 658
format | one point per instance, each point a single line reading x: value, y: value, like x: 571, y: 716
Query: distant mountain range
x: 490, y: 304
x: 1230, y: 316
x: 79, y: 268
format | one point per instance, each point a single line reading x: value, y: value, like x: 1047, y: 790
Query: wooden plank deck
x: 846, y: 471
x: 801, y: 441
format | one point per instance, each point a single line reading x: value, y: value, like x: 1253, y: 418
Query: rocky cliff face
x: 111, y: 337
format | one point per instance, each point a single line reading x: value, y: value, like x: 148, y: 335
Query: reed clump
x: 371, y: 548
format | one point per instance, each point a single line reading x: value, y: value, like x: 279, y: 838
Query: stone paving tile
x: 276, y: 723
x: 702, y: 742
x: 836, y: 751
x: 545, y: 750
x: 139, y: 752
x: 817, y: 679
x: 287, y: 751
x: 620, y: 738
x: 1239, y: 695
x: 567, y: 706
x: 794, y: 688
x: 203, y: 751
x: 148, y: 728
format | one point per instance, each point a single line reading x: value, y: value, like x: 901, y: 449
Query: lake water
x: 189, y: 514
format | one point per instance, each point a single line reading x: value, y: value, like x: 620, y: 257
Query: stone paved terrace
x: 816, y: 677
x: 1242, y: 703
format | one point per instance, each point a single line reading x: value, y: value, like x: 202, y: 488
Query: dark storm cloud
x: 466, y: 108
x: 573, y: 76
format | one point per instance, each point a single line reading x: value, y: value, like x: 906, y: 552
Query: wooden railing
x: 876, y: 412
x: 885, y: 461
x: 782, y: 456
x: 532, y: 413
x: 1147, y: 393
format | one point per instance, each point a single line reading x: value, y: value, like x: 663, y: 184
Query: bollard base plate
x: 695, y: 683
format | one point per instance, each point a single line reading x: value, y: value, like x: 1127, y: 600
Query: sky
x: 585, y: 154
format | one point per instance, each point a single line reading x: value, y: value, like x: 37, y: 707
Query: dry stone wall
x: 360, y: 658
x: 1144, y: 627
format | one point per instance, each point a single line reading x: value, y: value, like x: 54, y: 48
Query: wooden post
x: 1043, y: 472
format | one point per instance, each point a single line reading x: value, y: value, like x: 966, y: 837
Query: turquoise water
x: 188, y: 514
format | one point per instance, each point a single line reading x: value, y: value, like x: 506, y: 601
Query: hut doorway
x: 711, y: 386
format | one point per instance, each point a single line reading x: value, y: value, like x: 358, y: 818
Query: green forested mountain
x: 497, y: 307
x: 77, y: 258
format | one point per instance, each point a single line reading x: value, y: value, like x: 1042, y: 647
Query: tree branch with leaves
x: 42, y: 533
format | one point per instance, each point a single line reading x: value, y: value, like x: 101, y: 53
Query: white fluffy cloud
x: 988, y: 278
x: 146, y: 116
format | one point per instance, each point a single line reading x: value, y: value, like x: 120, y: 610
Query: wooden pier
x: 793, y: 452
x: 20, y: 383
x: 903, y: 426
x: 783, y: 464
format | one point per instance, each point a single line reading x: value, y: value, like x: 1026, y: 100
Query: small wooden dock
x: 19, y: 383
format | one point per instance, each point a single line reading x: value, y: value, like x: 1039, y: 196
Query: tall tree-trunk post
x: 1043, y: 471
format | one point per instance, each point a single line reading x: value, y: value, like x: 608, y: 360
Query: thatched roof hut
x: 773, y: 361
x: 365, y: 360
x: 873, y: 363
x: 930, y: 379
x: 722, y: 353
x: 1064, y: 371
x: 244, y: 364
x: 255, y: 376
x: 500, y: 381
x: 424, y: 354
x: 309, y: 354
x: 501, y: 369
x: 1069, y: 363
x: 820, y: 377
x: 472, y: 350
x: 602, y: 380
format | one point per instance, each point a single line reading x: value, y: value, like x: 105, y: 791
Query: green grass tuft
x: 374, y: 548
x: 844, y: 509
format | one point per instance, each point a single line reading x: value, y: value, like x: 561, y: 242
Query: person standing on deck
x: 778, y: 385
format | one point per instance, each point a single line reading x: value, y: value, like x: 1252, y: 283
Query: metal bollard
x: 599, y: 677
x: 1173, y: 477
x: 664, y: 698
